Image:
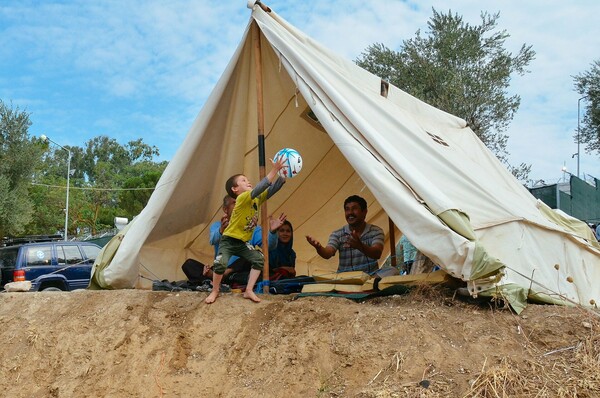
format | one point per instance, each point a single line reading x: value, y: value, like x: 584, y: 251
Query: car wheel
x: 51, y: 289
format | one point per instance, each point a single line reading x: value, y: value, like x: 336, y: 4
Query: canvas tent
x: 421, y: 167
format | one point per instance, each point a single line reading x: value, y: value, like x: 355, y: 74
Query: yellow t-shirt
x: 244, y: 217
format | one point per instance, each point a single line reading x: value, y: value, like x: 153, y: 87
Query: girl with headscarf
x: 282, y: 259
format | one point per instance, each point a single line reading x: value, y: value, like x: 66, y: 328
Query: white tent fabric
x: 420, y: 166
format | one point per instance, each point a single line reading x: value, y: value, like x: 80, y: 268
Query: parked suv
x: 48, y: 263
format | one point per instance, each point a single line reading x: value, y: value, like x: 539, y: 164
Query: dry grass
x: 573, y: 371
x: 436, y: 294
x: 569, y: 371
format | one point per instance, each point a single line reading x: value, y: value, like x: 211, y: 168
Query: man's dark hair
x: 226, y: 200
x: 356, y: 199
x: 231, y: 182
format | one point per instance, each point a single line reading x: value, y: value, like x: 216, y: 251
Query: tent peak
x: 252, y: 3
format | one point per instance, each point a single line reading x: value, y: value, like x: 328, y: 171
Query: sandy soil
x: 135, y: 343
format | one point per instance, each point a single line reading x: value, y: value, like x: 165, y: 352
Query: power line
x: 91, y: 188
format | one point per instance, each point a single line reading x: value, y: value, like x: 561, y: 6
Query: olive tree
x: 462, y: 69
x: 587, y: 84
x: 19, y: 155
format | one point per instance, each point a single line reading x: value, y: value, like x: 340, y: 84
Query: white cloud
x: 132, y: 69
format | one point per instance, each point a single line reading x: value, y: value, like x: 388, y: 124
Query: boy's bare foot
x: 212, y: 297
x: 251, y: 296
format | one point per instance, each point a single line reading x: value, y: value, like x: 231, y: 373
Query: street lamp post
x: 46, y: 139
x: 578, y: 154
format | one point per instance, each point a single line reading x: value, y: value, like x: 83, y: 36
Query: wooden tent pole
x: 264, y: 220
x: 392, y: 242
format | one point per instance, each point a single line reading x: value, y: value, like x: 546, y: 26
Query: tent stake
x: 261, y: 149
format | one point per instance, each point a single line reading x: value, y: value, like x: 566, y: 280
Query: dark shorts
x: 234, y: 247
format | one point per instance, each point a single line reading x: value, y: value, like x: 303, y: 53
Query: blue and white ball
x: 293, y: 162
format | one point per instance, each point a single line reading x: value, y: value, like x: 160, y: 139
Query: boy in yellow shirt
x: 244, y: 219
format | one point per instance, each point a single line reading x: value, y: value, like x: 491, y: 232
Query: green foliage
x: 48, y: 191
x: 107, y: 166
x: 587, y: 84
x: 33, y: 180
x: 110, y: 168
x: 461, y: 69
x: 147, y: 174
x: 104, y: 158
x: 99, y: 173
x: 49, y: 202
x: 18, y: 157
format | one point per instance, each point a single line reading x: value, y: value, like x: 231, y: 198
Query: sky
x: 143, y: 69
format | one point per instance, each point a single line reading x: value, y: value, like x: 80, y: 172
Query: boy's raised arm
x: 267, y: 181
x: 278, y: 165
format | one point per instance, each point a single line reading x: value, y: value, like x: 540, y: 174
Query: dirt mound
x: 134, y: 343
